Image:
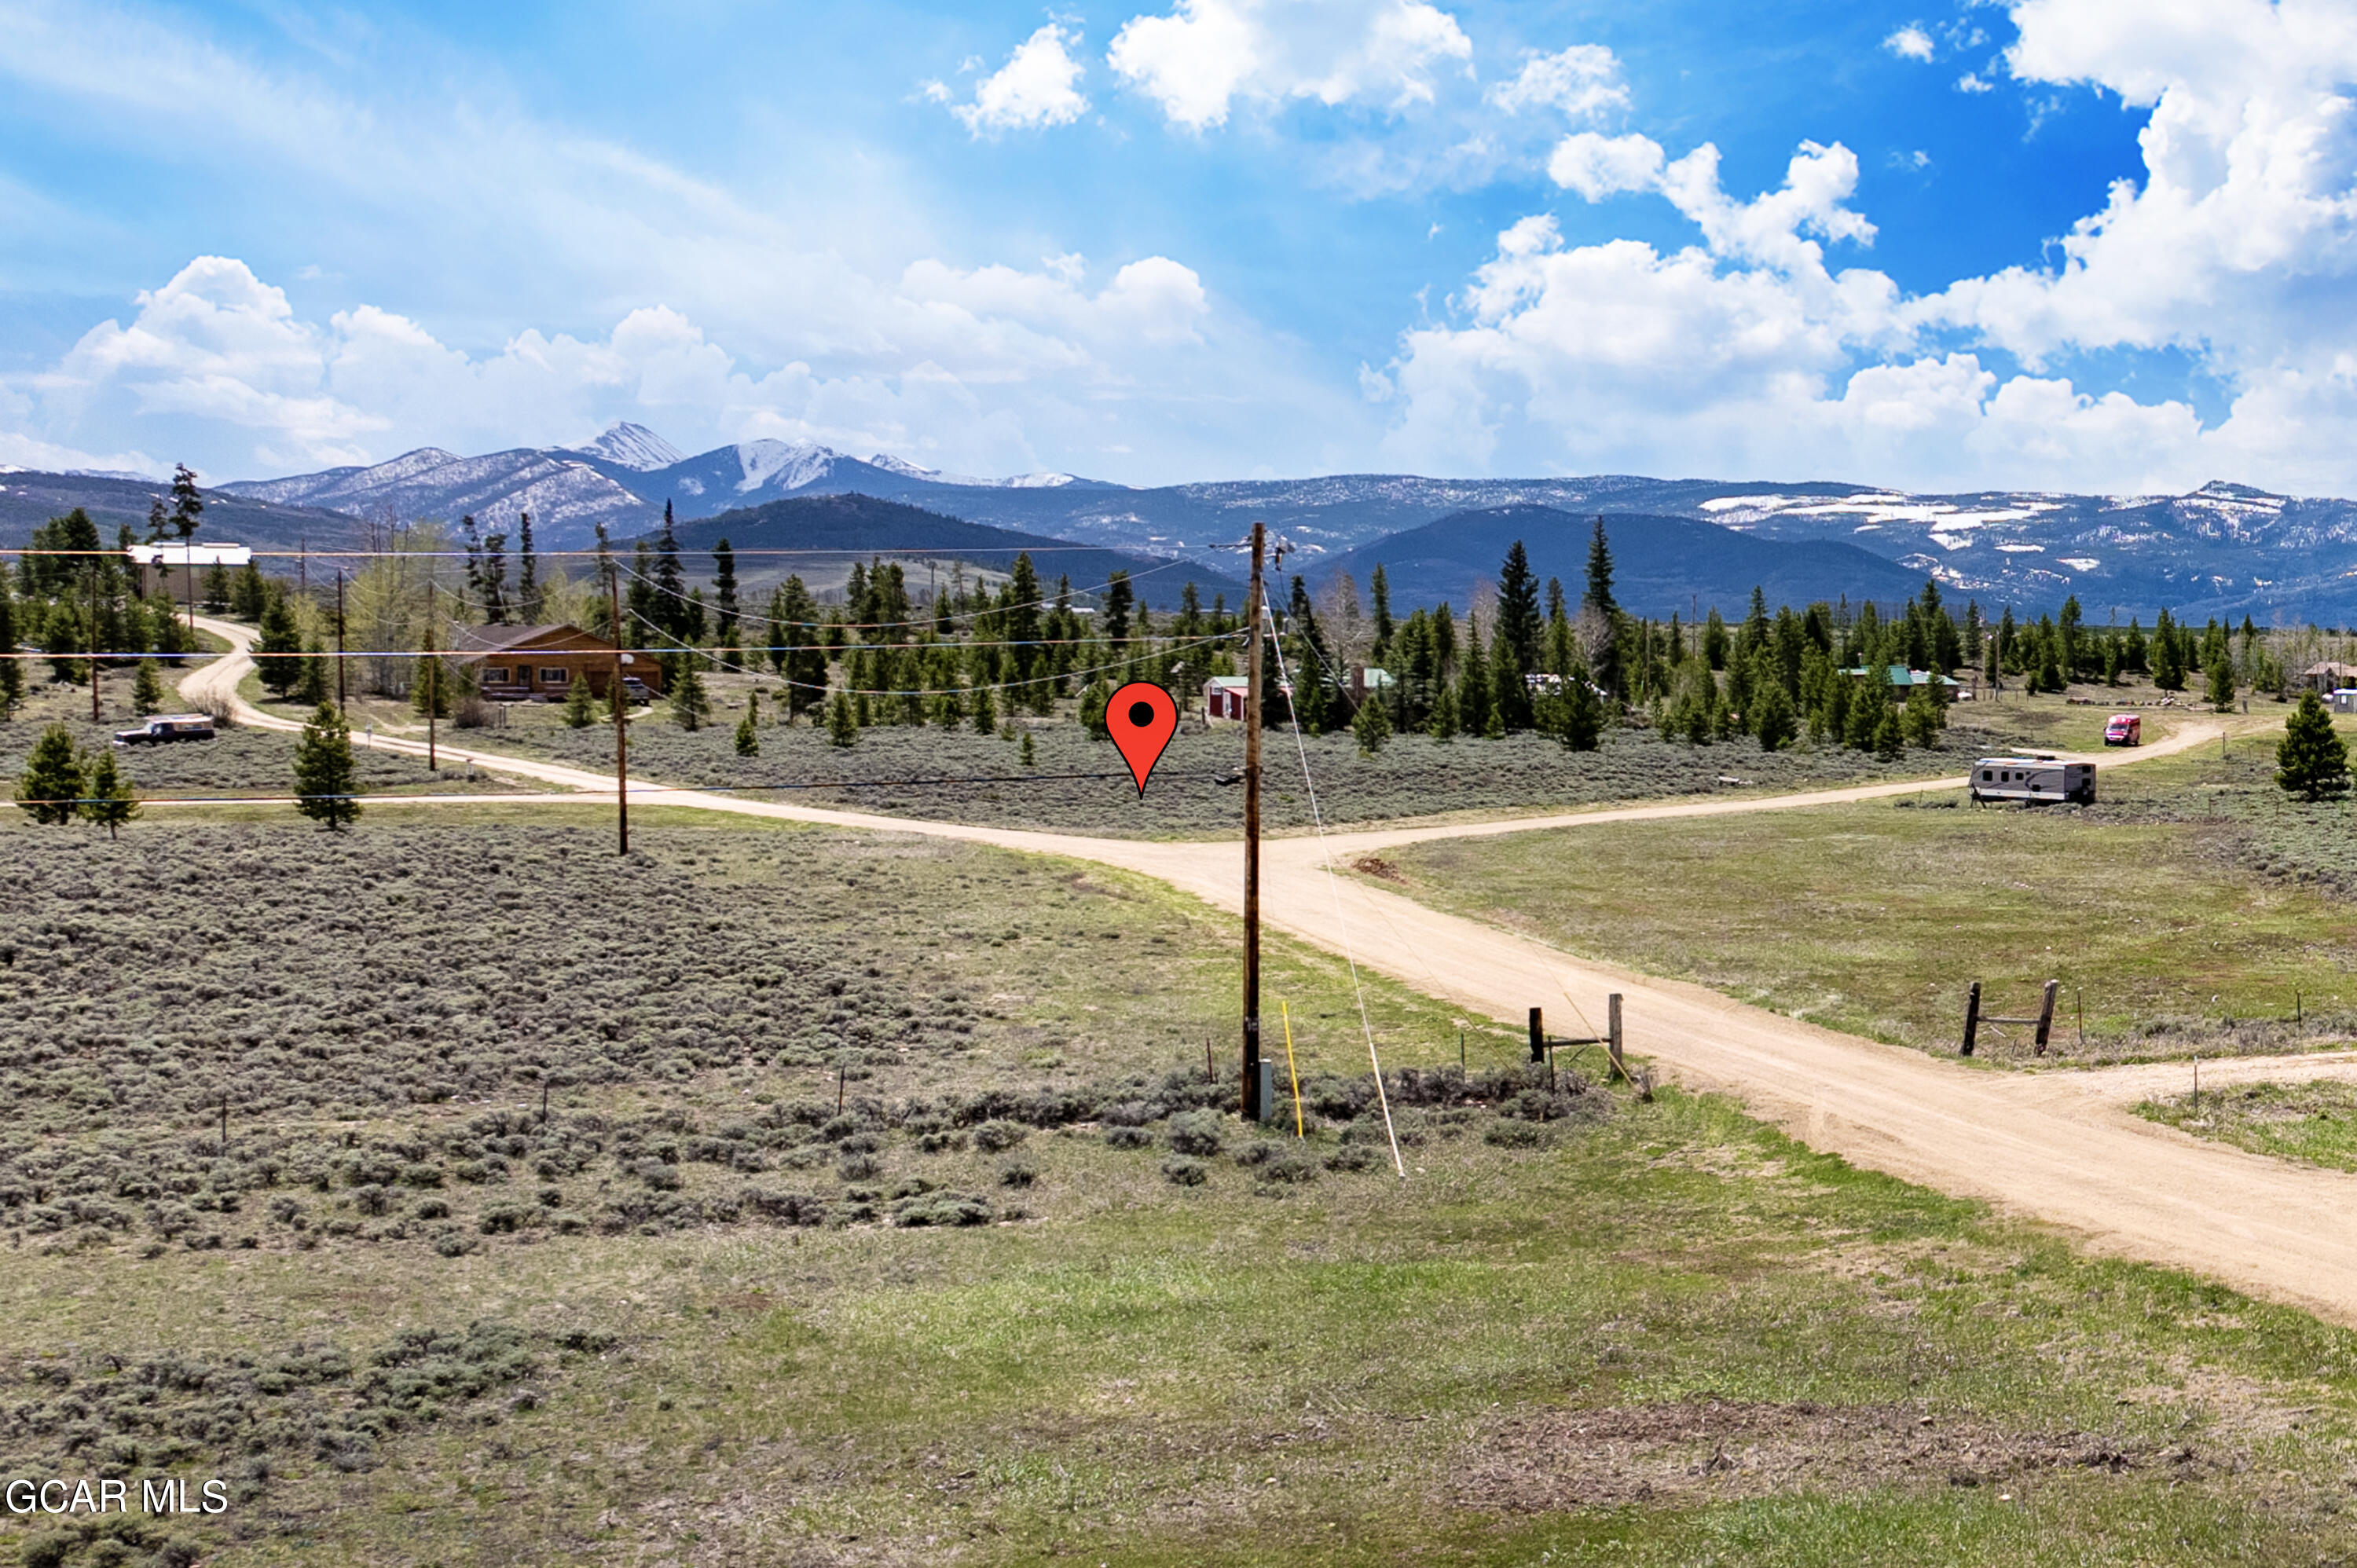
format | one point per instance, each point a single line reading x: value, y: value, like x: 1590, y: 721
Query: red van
x: 2123, y: 729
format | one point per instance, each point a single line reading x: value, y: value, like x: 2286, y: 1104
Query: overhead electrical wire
x: 931, y: 621
x: 1334, y: 884
x: 1160, y: 652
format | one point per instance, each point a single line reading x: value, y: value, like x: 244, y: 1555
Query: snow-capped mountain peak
x: 906, y: 469
x: 783, y: 465
x: 633, y: 446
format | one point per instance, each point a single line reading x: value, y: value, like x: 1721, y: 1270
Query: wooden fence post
x: 1972, y: 1017
x: 1538, y: 1036
x: 2045, y: 1014
x: 1612, y: 1036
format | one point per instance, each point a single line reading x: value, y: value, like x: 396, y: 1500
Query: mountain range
x: 1660, y: 565
x: 2224, y: 550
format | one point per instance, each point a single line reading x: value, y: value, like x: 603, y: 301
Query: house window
x: 495, y: 675
x: 554, y: 675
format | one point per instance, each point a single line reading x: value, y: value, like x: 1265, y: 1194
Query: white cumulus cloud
x: 1909, y: 42
x: 1750, y: 352
x: 1597, y: 167
x: 1198, y: 59
x: 1584, y: 81
x: 1038, y: 86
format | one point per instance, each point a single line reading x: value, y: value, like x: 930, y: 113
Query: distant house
x: 1366, y: 677
x: 529, y: 663
x: 1223, y: 697
x: 1904, y: 680
x: 2329, y: 677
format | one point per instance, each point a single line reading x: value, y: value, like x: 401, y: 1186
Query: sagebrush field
x: 1028, y: 1286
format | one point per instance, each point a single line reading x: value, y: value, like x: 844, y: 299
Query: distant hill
x: 2224, y: 550
x: 29, y: 499
x: 828, y: 532
x: 1660, y: 565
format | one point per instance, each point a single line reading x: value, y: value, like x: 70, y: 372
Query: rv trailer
x: 2039, y: 780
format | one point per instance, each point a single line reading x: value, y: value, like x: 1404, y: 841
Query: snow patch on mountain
x: 633, y: 446
x: 783, y: 465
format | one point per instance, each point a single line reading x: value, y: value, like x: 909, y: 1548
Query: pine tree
x: 2311, y: 761
x: 108, y: 798
x: 315, y: 687
x: 1379, y: 614
x: 146, y: 688
x: 429, y: 692
x: 324, y: 781
x: 2049, y: 668
x: 1472, y: 684
x: 580, y: 704
x: 670, y: 584
x: 249, y: 593
x: 1515, y: 648
x: 1890, y: 742
x: 1582, y: 723
x: 1029, y: 755
x: 1596, y: 596
x: 986, y: 712
x: 2167, y: 664
x: 691, y: 706
x: 11, y: 670
x: 1923, y: 718
x: 51, y: 785
x: 1870, y: 704
x: 1094, y: 699
x: 217, y: 588
x: 2220, y: 665
x: 1443, y: 725
x: 724, y: 593
x: 494, y: 585
x: 1371, y: 725
x: 62, y: 637
x: 1772, y: 718
x: 530, y: 601
x: 748, y: 739
x: 1119, y: 598
x: 841, y: 728
x: 188, y: 504
x: 279, y: 641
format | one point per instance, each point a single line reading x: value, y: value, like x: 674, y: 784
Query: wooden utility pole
x: 621, y: 725
x: 433, y: 672
x: 1252, y: 1106
x: 96, y: 567
x: 340, y: 641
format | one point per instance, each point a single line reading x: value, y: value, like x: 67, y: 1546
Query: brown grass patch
x: 1721, y: 1450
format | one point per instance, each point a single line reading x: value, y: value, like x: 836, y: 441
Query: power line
x: 743, y: 615
x: 590, y: 796
x: 1334, y: 884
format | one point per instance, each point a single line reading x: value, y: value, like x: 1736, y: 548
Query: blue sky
x: 2060, y: 243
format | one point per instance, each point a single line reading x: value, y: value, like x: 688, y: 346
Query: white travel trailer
x: 2041, y: 781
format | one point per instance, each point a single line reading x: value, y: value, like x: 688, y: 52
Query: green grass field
x: 1586, y: 1328
x: 2314, y: 1122
x: 2183, y: 912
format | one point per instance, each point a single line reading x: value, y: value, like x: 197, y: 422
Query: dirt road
x: 2058, y: 1146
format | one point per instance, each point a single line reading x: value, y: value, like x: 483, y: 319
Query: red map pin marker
x: 1142, y: 718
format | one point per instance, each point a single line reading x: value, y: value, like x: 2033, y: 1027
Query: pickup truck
x: 166, y: 727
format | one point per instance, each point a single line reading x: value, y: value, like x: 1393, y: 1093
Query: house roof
x: 504, y: 639
x: 1900, y: 675
x: 2329, y: 667
x: 1230, y: 682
